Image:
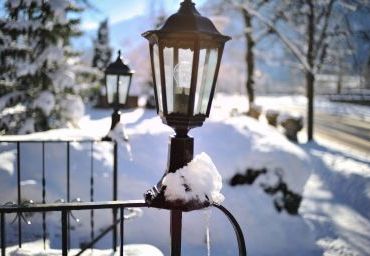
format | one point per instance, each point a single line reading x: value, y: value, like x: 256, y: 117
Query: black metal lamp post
x: 118, y: 78
x: 185, y: 58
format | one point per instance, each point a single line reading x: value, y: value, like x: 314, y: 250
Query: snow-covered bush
x: 272, y: 116
x: 292, y: 125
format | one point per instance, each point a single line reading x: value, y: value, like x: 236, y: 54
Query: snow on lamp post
x: 118, y: 78
x: 185, y: 58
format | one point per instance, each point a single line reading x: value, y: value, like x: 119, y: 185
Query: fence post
x: 121, y: 230
x: 115, y: 177
x: 19, y: 196
x: 65, y: 232
x: 43, y: 195
x: 92, y: 189
x: 68, y: 188
x: 2, y: 231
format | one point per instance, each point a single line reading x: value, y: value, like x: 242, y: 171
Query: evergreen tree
x: 102, y: 51
x: 37, y: 64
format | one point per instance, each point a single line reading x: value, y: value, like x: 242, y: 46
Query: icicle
x: 129, y: 151
x: 207, y: 213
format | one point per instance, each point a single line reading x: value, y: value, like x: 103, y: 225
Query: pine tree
x: 37, y: 64
x: 102, y: 51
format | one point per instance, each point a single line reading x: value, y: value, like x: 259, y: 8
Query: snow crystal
x: 45, y: 101
x: 199, y: 180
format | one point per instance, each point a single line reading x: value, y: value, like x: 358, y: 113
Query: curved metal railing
x: 66, y: 208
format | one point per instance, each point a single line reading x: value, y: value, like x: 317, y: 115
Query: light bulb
x: 182, y: 74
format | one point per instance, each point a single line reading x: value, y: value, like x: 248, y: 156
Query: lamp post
x: 118, y: 78
x: 185, y: 58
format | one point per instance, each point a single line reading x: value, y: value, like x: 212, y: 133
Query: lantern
x: 117, y: 80
x: 185, y: 58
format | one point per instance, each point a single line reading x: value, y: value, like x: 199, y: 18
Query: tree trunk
x: 249, y: 57
x: 310, y: 82
x: 339, y: 84
x: 310, y: 77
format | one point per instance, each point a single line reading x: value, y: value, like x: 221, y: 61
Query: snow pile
x: 35, y: 249
x: 265, y: 147
x: 45, y: 101
x: 198, y: 181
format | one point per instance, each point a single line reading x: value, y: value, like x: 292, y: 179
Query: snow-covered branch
x: 287, y: 42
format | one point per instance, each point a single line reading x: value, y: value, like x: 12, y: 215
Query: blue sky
x: 118, y: 10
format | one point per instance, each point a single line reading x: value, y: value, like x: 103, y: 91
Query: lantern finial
x: 119, y: 54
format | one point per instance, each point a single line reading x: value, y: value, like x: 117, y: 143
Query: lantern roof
x: 118, y: 67
x: 189, y: 21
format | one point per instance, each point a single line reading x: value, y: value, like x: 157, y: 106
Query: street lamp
x: 185, y: 58
x: 117, y: 81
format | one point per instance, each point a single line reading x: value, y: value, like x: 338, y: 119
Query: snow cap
x: 198, y: 181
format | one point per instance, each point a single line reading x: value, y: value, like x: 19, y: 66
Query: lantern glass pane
x: 157, y: 76
x: 182, y: 70
x: 206, y: 73
x: 168, y: 55
x: 111, y: 81
x: 122, y: 88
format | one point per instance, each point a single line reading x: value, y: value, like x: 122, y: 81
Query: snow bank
x: 198, y: 181
x: 265, y: 147
x: 35, y: 249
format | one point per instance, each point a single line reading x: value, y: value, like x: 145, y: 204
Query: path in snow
x: 336, y: 201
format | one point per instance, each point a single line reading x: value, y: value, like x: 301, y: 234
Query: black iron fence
x: 65, y: 207
x: 64, y: 149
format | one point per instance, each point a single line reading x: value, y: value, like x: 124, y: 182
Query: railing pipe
x: 43, y: 196
x: 238, y: 231
x: 121, y: 230
x: 2, y: 233
x: 115, y: 196
x: 19, y: 195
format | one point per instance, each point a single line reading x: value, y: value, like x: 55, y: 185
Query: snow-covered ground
x: 334, y: 215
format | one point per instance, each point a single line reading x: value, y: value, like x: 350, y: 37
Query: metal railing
x: 92, y: 183
x: 66, y: 208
